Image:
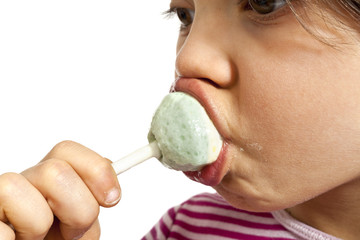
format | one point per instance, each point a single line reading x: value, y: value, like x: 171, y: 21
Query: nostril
x: 214, y: 83
x: 186, y: 84
x: 208, y: 63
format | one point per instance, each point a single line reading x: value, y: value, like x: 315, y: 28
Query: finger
x: 67, y: 195
x: 6, y: 232
x: 24, y: 207
x: 96, y: 171
x: 92, y: 234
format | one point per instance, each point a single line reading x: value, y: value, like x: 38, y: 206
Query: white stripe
x: 217, y: 199
x: 234, y: 227
x: 197, y: 236
x: 211, y: 197
x: 159, y: 234
x: 168, y: 221
x: 230, y: 213
x: 209, y: 200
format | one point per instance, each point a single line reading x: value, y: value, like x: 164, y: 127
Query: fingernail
x: 113, y: 196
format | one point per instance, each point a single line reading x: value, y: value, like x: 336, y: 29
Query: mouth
x: 213, y: 173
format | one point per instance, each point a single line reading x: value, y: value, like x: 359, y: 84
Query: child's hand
x: 71, y: 182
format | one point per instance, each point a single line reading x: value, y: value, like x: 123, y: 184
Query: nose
x: 203, y: 54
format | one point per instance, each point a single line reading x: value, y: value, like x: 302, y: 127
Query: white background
x: 93, y: 72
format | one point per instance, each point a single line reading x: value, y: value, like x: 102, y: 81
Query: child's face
x: 287, y: 104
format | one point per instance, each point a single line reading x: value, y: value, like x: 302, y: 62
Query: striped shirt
x: 209, y: 217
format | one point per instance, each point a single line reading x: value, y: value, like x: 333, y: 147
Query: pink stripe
x: 179, y: 236
x: 153, y: 233
x: 172, y: 213
x: 227, y: 207
x: 220, y: 232
x: 163, y: 228
x: 211, y: 216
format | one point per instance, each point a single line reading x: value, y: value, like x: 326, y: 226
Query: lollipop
x: 181, y: 136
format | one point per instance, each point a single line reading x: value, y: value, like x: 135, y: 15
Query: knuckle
x: 10, y: 183
x: 40, y: 230
x: 55, y: 170
x: 86, y: 219
x: 102, y: 168
x: 43, y: 224
x: 93, y: 232
x: 63, y: 146
x: 13, y: 188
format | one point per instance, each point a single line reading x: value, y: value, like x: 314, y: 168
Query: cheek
x: 305, y: 120
x: 306, y: 111
x: 303, y: 92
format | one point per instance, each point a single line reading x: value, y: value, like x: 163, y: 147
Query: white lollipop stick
x: 137, y: 157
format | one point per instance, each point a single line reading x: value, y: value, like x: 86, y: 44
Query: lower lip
x: 213, y: 173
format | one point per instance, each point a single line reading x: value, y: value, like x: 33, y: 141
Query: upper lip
x: 196, y: 88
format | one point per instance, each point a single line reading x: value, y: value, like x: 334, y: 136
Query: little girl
x: 280, y: 79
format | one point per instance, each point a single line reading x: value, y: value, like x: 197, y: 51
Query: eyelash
x: 170, y: 13
x: 264, y: 18
x: 245, y: 6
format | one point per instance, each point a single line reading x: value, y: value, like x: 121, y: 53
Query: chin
x: 251, y: 203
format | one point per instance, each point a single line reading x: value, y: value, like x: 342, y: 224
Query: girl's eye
x: 266, y: 6
x: 186, y: 16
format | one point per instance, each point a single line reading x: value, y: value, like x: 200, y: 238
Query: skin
x: 288, y: 106
x: 52, y: 209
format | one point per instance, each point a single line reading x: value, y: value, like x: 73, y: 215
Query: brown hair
x: 348, y: 11
x: 336, y: 15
